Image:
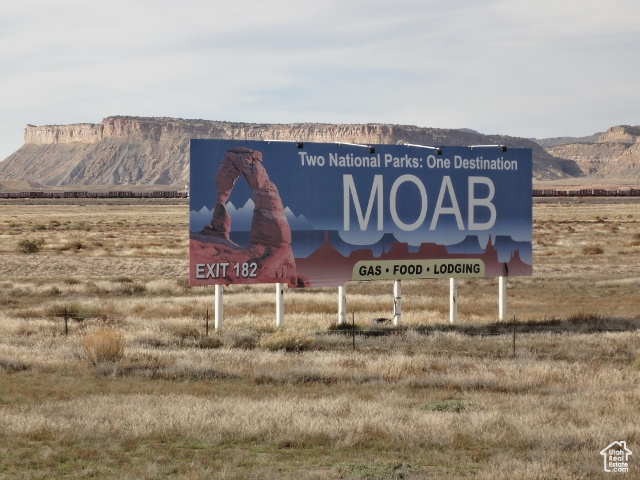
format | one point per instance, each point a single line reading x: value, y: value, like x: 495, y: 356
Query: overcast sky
x: 541, y: 68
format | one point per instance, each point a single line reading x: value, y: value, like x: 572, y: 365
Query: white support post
x: 397, y: 303
x: 453, y: 300
x: 342, y: 305
x: 502, y: 298
x: 279, y: 304
x: 218, y: 307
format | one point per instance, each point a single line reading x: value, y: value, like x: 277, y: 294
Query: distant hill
x: 613, y: 154
x: 140, y: 151
x: 555, y: 141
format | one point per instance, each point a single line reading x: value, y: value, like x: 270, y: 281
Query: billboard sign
x: 322, y: 214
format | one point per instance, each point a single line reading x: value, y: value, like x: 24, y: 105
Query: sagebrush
x: 104, y: 345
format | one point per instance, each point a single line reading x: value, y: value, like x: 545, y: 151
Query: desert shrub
x: 456, y: 406
x: 73, y: 245
x: 379, y: 470
x: 92, y: 289
x: 30, y: 245
x: 636, y: 363
x: 53, y: 225
x: 189, y: 336
x: 286, y: 340
x: 245, y: 340
x: 135, y: 288
x: 208, y: 342
x: 346, y: 327
x: 80, y: 226
x: 592, y: 250
x: 53, y: 291
x: 186, y: 332
x: 104, y: 345
x: 13, y: 365
x: 585, y: 318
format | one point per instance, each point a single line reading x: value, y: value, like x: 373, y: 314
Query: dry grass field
x: 135, y: 389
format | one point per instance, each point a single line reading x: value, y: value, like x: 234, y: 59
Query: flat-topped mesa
x: 153, y: 128
x: 155, y: 150
x: 621, y: 134
x: 52, y: 134
x: 119, y: 127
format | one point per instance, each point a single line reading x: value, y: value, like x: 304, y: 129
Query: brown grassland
x: 135, y: 389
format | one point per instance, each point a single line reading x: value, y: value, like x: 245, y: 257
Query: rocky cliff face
x: 621, y: 134
x: 615, y: 154
x: 148, y: 151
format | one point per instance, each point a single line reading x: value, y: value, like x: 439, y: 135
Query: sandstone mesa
x: 139, y: 151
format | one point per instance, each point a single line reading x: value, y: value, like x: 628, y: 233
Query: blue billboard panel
x: 322, y: 214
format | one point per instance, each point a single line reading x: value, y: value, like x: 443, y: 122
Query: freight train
x: 545, y: 192
x: 83, y: 194
x: 587, y: 192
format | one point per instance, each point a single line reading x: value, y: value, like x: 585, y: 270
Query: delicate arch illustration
x: 269, y: 256
x: 269, y: 225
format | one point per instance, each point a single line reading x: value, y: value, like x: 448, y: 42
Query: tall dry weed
x: 105, y: 345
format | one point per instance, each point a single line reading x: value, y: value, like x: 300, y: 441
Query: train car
x: 546, y: 192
